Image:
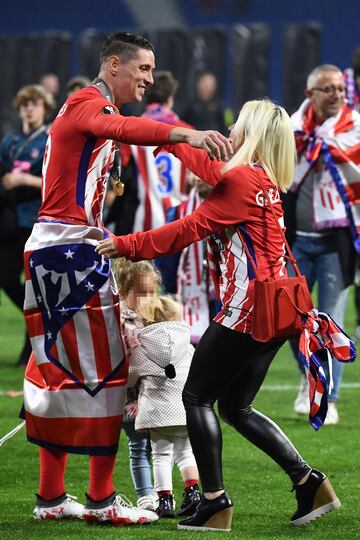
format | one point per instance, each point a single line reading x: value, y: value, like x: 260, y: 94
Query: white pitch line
x: 284, y: 387
x: 268, y: 387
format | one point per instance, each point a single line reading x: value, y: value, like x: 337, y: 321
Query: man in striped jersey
x: 75, y: 382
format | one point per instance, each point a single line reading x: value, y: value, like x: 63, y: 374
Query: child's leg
x: 162, y: 458
x: 139, y: 453
x: 101, y: 483
x: 52, y: 473
x: 185, y: 460
x: 184, y: 457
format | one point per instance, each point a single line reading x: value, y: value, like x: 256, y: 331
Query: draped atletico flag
x: 75, y: 382
x: 67, y: 281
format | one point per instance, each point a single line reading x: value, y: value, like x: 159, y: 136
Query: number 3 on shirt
x: 164, y: 166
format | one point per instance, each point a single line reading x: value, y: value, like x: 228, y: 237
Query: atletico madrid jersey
x: 80, y: 153
x: 236, y: 206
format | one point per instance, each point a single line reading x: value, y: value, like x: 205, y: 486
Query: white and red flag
x: 73, y: 318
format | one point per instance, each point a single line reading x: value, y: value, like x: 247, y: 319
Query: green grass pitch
x: 260, y: 490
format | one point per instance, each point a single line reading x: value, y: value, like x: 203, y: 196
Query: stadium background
x: 256, y: 48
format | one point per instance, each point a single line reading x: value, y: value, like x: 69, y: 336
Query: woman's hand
x: 107, y: 249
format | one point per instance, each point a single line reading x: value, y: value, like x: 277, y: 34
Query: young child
x: 136, y: 282
x: 164, y: 341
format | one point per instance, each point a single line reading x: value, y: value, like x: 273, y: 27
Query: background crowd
x: 160, y: 189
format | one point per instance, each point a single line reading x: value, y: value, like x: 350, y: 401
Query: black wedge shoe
x: 215, y: 515
x: 315, y: 498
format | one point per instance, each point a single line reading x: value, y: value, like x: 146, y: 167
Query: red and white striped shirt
x: 236, y: 203
x: 160, y: 179
x: 80, y: 152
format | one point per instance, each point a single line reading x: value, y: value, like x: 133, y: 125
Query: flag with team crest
x: 73, y: 318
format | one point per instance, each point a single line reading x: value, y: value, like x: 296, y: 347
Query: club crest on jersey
x: 64, y: 278
x: 108, y: 109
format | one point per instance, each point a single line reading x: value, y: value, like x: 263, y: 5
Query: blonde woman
x: 229, y: 366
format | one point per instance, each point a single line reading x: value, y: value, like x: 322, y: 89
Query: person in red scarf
x: 321, y: 212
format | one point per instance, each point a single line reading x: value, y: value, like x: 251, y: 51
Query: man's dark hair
x: 125, y: 45
x: 165, y: 85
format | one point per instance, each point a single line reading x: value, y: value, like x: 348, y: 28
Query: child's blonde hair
x: 263, y: 135
x: 126, y: 271
x: 160, y: 309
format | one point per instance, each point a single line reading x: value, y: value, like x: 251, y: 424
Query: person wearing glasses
x: 319, y: 208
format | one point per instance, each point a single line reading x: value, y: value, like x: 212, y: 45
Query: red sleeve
x: 217, y: 212
x: 197, y: 160
x: 92, y: 121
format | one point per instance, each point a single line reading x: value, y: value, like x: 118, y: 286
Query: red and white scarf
x: 192, y: 284
x: 322, y: 339
x: 335, y: 147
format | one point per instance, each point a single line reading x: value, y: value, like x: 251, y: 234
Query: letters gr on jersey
x: 274, y: 197
x: 164, y: 166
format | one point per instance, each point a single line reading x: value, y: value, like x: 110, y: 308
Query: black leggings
x: 229, y: 367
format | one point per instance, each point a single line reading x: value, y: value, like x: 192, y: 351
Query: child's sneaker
x: 315, y: 498
x: 64, y: 507
x: 116, y: 510
x: 191, y: 498
x: 166, y: 507
x: 148, y: 502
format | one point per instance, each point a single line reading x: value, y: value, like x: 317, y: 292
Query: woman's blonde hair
x: 263, y: 135
x: 159, y: 309
x: 126, y: 271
